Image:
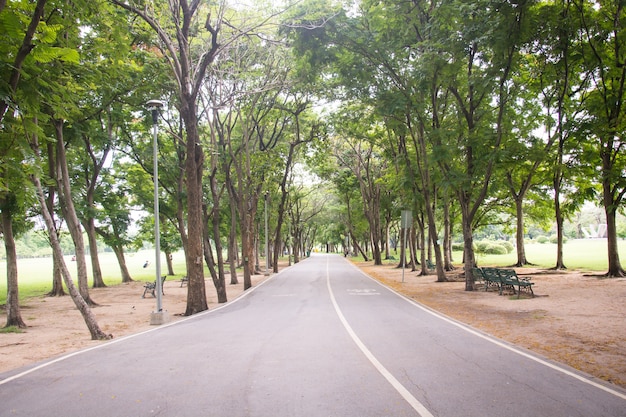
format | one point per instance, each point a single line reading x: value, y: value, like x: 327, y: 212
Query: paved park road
x: 318, y: 339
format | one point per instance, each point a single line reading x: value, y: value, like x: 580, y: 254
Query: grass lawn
x: 582, y: 254
x: 35, y: 274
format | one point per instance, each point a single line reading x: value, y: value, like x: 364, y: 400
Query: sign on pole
x: 406, y: 219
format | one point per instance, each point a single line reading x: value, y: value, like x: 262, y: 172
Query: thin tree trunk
x: 560, y: 264
x: 14, y: 317
x: 79, y: 301
x: 519, y: 234
x: 121, y: 260
x: 615, y: 267
x: 447, y: 237
x: 90, y: 229
x: 233, y: 252
x: 69, y: 214
x: 57, y: 279
x: 468, y: 249
x: 168, y: 262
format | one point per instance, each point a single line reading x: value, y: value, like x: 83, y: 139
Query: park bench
x: 479, y: 277
x: 430, y: 265
x: 184, y: 280
x: 492, y: 279
x: 511, y: 280
x: 150, y: 287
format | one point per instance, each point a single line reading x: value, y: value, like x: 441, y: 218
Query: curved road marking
x: 130, y: 336
x: 408, y: 397
x: 499, y: 343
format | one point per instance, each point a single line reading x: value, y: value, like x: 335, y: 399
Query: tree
x: 189, y: 63
x: 79, y: 301
x: 604, y: 44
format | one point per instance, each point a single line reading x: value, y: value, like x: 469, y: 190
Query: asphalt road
x: 318, y: 339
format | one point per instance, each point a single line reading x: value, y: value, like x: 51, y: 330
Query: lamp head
x: 155, y: 104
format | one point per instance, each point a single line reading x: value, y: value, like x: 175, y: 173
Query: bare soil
x: 574, y: 318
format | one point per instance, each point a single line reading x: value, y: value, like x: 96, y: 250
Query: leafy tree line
x: 464, y: 111
x: 76, y: 137
x: 460, y: 111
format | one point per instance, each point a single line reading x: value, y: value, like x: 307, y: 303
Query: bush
x: 542, y: 239
x: 493, y: 248
x: 554, y: 239
x: 507, y: 245
x: 458, y: 246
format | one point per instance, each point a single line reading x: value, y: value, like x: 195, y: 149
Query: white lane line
x: 408, y: 397
x: 131, y: 336
x: 469, y: 329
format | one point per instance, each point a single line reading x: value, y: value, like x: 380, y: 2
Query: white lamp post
x: 267, y: 239
x: 158, y: 316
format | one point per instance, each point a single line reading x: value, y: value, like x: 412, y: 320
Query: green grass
x: 11, y: 329
x: 35, y: 274
x: 582, y: 254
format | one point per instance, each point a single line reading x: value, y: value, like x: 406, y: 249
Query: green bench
x: 492, y: 279
x: 503, y: 279
x: 511, y: 280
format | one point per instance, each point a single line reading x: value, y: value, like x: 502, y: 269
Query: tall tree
x: 177, y: 30
x: 604, y: 50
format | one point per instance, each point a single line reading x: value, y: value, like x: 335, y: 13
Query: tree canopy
x: 469, y: 114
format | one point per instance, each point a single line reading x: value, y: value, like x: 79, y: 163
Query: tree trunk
x: 556, y: 183
x: 69, y: 214
x: 88, y: 221
x: 519, y: 234
x: 79, y: 301
x: 219, y: 278
x: 14, y: 317
x: 615, y: 267
x: 421, y: 236
x: 468, y: 247
x: 196, y: 290
x: 247, y: 246
x: 121, y: 260
x: 57, y: 281
x: 447, y: 237
x: 168, y: 262
x: 560, y: 264
x: 233, y: 252
x: 90, y: 229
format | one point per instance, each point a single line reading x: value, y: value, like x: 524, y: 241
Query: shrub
x: 492, y: 248
x: 458, y: 246
x: 542, y: 239
x: 507, y: 245
x: 554, y: 239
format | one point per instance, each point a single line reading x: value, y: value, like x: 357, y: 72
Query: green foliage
x: 493, y: 247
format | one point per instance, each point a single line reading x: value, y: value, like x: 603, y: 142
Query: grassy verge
x: 583, y: 254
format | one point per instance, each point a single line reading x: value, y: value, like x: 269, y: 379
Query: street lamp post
x: 158, y: 316
x: 267, y: 239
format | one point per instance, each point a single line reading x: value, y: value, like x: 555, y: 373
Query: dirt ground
x: 575, y: 319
